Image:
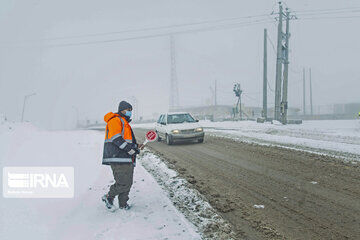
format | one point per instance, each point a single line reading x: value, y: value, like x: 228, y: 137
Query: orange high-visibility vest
x: 119, y: 140
x: 117, y: 125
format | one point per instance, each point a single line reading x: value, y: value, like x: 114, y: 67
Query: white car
x: 179, y: 126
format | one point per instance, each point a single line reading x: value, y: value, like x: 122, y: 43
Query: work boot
x: 109, y: 202
x: 125, y: 207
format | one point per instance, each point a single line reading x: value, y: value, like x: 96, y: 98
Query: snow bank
x: 152, y: 216
x: 332, y: 135
x: 188, y: 200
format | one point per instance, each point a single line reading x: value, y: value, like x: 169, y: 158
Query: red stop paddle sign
x: 150, y: 136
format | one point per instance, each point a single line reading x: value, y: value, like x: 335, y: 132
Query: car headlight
x: 199, y: 129
x: 175, y: 131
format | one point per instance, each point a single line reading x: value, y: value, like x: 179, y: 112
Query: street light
x: 25, y: 98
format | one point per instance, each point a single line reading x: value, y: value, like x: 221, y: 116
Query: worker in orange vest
x: 120, y: 150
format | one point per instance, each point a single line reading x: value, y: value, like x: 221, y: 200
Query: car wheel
x: 169, y: 140
x: 201, y: 140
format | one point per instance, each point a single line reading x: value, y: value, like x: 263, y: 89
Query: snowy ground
x: 194, y: 206
x: 324, y: 136
x: 153, y: 216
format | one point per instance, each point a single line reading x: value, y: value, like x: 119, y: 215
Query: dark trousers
x: 123, y: 176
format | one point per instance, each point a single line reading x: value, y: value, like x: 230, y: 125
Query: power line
x: 172, y: 26
x: 327, y: 10
x: 208, y: 28
x: 253, y: 93
x: 327, y: 13
x: 212, y: 28
x: 337, y: 13
x: 272, y: 44
x: 152, y: 28
x: 333, y: 17
x: 251, y: 98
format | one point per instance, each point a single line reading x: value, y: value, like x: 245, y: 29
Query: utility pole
x: 135, y: 104
x: 280, y: 111
x: 311, y: 102
x: 24, y: 104
x: 304, y: 99
x: 265, y: 77
x: 174, y: 92
x: 215, y: 92
x: 278, y: 65
x: 284, y: 102
x: 240, y: 110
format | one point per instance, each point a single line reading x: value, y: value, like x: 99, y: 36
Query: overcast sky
x: 93, y: 78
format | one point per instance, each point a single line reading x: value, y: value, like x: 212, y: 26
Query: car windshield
x: 180, y: 118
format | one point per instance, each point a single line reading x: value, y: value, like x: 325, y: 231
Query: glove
x: 133, y: 149
x: 137, y: 151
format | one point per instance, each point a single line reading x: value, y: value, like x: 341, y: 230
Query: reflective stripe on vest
x: 117, y: 160
x: 123, y: 126
x: 123, y: 131
x: 113, y: 137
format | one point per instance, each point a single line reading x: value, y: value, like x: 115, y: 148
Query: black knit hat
x: 124, y: 105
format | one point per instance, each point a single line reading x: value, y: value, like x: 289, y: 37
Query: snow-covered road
x: 153, y: 216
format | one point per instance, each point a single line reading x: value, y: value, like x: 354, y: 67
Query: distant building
x: 332, y: 111
x: 224, y: 112
x: 347, y: 108
x: 209, y: 112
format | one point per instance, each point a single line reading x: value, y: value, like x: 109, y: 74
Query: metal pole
x: 237, y: 113
x: 311, y: 102
x: 240, y: 107
x: 304, y: 100
x: 23, y: 110
x: 278, y: 66
x: 24, y: 104
x: 135, y: 107
x: 215, y: 93
x: 265, y: 76
x: 174, y: 92
x: 284, y: 103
